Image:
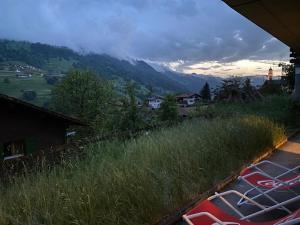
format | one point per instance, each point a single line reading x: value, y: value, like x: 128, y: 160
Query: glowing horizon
x: 244, y: 67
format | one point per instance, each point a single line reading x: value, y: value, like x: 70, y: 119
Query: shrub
x: 51, y: 80
x: 29, y: 95
x: 6, y: 80
x: 168, y: 111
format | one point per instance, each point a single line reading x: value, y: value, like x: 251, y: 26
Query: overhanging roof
x: 281, y: 18
x: 62, y: 117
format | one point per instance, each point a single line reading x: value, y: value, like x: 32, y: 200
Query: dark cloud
x: 156, y: 30
x: 227, y: 69
x: 203, y: 68
x: 216, y: 66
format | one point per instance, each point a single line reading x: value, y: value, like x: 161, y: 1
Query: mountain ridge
x: 51, y: 59
x: 58, y: 59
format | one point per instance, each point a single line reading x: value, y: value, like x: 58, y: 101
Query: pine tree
x: 131, y: 117
x: 205, y: 92
x: 168, y: 111
x: 288, y: 76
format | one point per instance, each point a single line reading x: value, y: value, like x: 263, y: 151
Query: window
x: 14, y: 149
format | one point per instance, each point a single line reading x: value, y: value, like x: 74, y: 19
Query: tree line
x: 93, y: 99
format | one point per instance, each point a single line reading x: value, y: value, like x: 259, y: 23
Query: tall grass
x: 282, y: 109
x: 139, y: 181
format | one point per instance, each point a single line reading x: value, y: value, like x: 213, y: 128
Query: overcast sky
x: 203, y: 36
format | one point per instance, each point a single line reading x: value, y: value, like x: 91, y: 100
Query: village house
x: 26, y: 128
x: 23, y: 74
x: 154, y: 102
x: 187, y: 99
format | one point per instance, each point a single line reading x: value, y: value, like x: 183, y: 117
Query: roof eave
x: 69, y: 119
x: 268, y: 15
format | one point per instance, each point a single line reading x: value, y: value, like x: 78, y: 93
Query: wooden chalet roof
x: 188, y: 95
x: 155, y: 97
x: 59, y: 116
x: 278, y: 17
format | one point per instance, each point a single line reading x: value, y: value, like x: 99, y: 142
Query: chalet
x: 187, y: 99
x: 154, y: 102
x: 26, y: 128
x: 23, y: 75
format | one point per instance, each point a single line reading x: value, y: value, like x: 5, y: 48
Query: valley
x: 49, y: 61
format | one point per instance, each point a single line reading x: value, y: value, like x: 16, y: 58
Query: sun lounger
x: 263, y: 183
x: 207, y: 213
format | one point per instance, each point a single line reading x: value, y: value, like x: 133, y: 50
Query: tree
x: 131, y: 119
x: 6, y: 80
x: 248, y: 90
x: 288, y: 75
x: 29, y: 95
x: 168, y: 111
x: 237, y: 89
x: 270, y: 88
x: 205, y: 92
x: 51, y: 80
x: 249, y: 93
x: 229, y: 90
x: 83, y: 94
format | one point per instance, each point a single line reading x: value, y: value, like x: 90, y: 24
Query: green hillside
x: 16, y: 86
x: 58, y: 60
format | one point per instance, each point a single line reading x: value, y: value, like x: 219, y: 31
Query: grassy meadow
x: 279, y: 108
x: 16, y: 85
x: 138, y: 181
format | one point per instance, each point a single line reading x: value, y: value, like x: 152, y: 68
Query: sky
x: 190, y: 36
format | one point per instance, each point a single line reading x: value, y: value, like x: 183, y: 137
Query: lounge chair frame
x: 263, y: 209
x: 279, y: 185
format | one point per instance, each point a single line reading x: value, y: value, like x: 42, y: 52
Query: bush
x: 51, y: 80
x: 6, y: 80
x: 29, y: 95
x: 139, y: 181
x: 269, y: 88
x: 168, y: 111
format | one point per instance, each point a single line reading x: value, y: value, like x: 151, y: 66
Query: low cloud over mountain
x: 163, y: 31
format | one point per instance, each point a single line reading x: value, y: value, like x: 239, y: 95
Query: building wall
x: 155, y: 104
x: 297, y: 81
x: 39, y: 129
x: 189, y: 101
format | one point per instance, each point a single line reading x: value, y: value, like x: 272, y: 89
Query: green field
x: 56, y: 64
x: 16, y: 85
x: 5, y: 73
